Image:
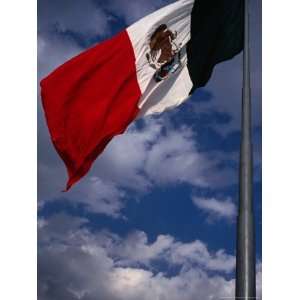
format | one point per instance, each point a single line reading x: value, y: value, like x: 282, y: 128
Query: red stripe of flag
x: 90, y: 99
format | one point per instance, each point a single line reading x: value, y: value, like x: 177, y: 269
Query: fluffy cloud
x: 216, y: 208
x: 99, y: 197
x: 196, y: 253
x: 136, y: 250
x: 156, y: 153
x: 75, y: 263
x: 174, y: 159
x: 152, y: 153
x: 137, y: 284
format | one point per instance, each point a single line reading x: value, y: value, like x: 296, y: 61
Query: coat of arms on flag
x: 164, y: 52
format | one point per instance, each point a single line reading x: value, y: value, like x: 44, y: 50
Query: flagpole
x: 245, y: 248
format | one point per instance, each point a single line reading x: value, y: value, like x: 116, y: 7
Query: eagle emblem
x: 164, y: 53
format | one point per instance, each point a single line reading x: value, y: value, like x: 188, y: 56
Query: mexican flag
x: 152, y: 66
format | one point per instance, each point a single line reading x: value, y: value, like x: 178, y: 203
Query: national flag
x: 152, y: 66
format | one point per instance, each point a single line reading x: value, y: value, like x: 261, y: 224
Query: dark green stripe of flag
x: 217, y: 32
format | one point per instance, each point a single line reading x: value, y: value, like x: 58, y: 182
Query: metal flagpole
x: 245, y: 248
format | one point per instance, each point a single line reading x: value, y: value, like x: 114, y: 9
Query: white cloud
x: 154, y: 154
x: 216, y: 208
x: 137, y: 284
x: 98, y: 196
x: 174, y: 159
x: 136, y: 249
x: 189, y: 254
x: 158, y: 153
x: 74, y: 263
x: 123, y: 160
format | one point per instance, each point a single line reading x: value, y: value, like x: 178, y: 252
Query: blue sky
x: 155, y: 217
